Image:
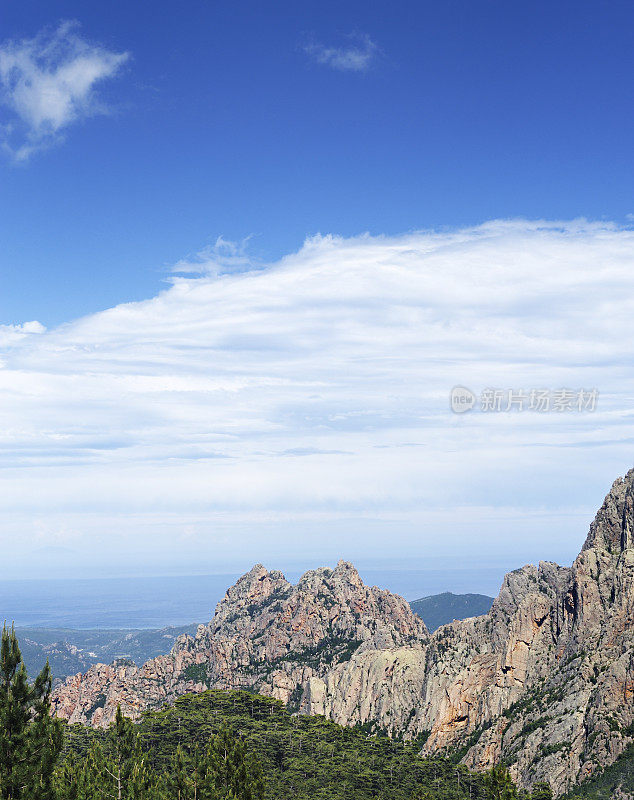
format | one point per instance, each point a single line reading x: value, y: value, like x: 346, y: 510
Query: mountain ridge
x: 543, y: 682
x: 73, y: 650
x: 440, y: 609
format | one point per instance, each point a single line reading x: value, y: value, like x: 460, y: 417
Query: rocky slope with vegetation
x: 267, y: 634
x: 543, y: 682
x: 214, y: 746
x: 69, y: 651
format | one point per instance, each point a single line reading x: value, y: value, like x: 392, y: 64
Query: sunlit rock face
x: 544, y: 681
x: 267, y: 635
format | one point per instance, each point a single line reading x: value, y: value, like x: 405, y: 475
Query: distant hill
x: 439, y: 609
x: 70, y: 651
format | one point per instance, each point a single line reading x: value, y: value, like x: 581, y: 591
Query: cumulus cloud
x: 49, y: 82
x: 181, y: 411
x: 355, y: 57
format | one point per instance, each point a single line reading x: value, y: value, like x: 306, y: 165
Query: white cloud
x: 221, y: 258
x: 9, y: 334
x: 48, y: 82
x: 351, y: 58
x: 181, y: 411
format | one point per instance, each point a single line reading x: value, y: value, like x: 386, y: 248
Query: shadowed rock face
x: 545, y: 680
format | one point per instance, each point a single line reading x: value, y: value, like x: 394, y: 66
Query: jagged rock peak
x: 256, y: 584
x: 267, y: 634
x: 345, y: 568
x: 346, y: 571
x: 259, y: 583
x: 613, y: 525
x: 344, y: 574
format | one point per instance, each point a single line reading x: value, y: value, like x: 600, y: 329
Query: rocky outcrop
x: 267, y: 635
x: 544, y: 681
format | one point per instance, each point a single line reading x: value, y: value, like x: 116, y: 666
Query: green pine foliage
x: 222, y: 771
x: 215, y: 746
x: 221, y: 745
x: 182, y: 780
x: 30, y: 740
x: 228, y: 769
x: 542, y: 791
x: 499, y: 785
x: 115, y: 767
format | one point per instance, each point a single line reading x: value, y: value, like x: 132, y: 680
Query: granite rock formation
x: 267, y: 635
x: 543, y: 681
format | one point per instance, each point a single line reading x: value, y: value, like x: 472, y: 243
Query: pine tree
x: 119, y: 768
x: 499, y: 785
x: 228, y: 772
x: 92, y: 782
x: 30, y: 739
x: 68, y: 779
x: 181, y: 779
x: 542, y: 791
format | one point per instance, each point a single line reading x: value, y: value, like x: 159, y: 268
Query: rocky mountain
x: 441, y: 609
x: 267, y: 634
x: 70, y: 650
x: 616, y: 782
x: 544, y: 681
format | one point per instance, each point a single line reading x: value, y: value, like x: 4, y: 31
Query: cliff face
x: 545, y: 680
x: 266, y: 635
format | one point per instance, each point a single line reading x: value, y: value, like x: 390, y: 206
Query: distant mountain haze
x: 72, y: 651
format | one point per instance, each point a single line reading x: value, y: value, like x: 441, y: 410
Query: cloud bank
x: 49, y: 82
x: 352, y: 58
x: 301, y: 411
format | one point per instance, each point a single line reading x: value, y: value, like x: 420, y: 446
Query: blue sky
x: 222, y: 122
x: 204, y: 359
